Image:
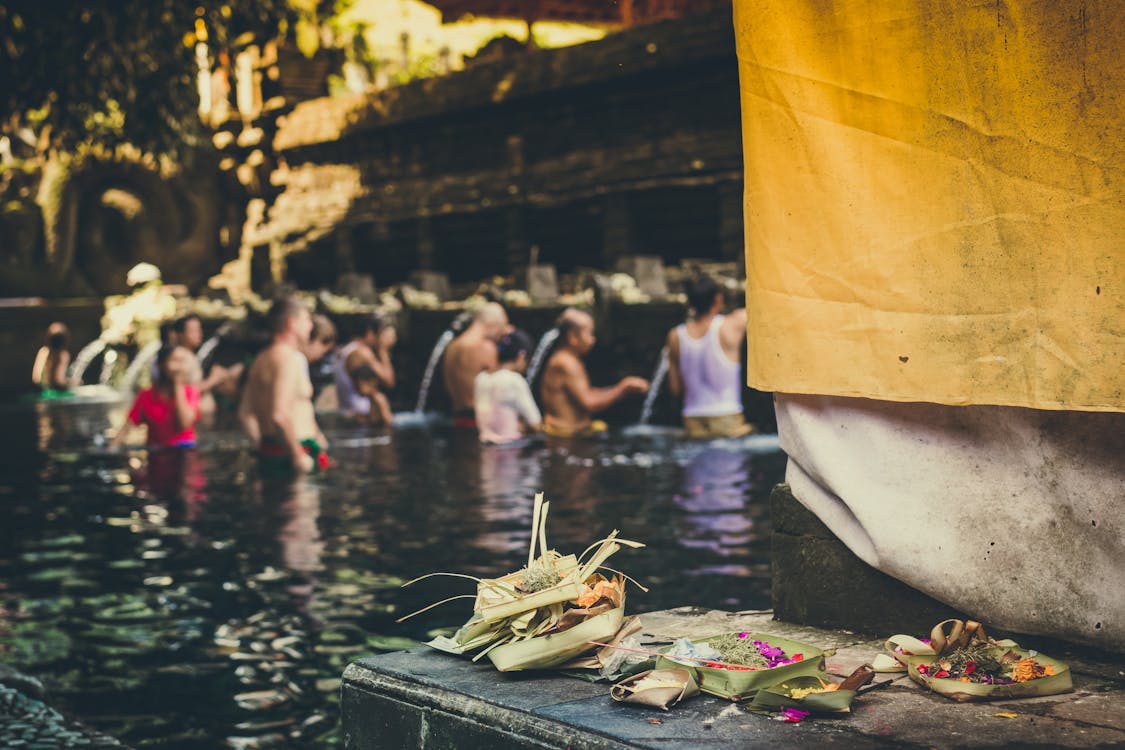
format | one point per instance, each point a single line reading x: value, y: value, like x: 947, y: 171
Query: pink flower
x: 744, y: 634
x: 793, y: 715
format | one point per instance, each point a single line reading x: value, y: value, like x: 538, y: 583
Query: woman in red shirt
x: 169, y: 409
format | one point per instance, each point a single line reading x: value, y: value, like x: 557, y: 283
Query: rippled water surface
x: 181, y: 601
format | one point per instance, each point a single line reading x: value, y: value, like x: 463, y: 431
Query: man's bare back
x: 472, y: 353
x: 276, y: 405
x: 467, y: 356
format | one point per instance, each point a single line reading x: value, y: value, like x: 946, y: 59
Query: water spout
x: 541, y: 349
x: 431, y: 366
x: 85, y: 357
x: 208, y: 347
x: 108, y: 361
x: 144, y: 358
x: 654, y: 389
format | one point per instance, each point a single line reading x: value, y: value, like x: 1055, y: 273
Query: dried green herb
x: 740, y: 651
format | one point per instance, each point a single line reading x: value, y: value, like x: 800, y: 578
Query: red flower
x: 798, y: 657
x: 970, y: 667
x: 941, y: 674
x: 323, y: 462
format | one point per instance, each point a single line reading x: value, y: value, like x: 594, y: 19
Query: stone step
x: 426, y: 699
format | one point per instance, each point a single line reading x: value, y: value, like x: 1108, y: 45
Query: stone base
x: 423, y: 698
x: 817, y: 580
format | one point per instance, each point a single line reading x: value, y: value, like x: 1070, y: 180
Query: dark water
x: 180, y: 601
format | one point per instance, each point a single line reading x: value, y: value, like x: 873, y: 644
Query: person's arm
x: 58, y: 377
x: 595, y: 400
x: 187, y: 408
x: 247, y: 418
x: 384, y: 369
x: 281, y: 412
x: 733, y: 332
x: 525, y: 404
x: 133, y: 417
x: 382, y: 407
x: 216, y: 377
x: 40, y: 365
x: 482, y: 401
x: 675, y: 377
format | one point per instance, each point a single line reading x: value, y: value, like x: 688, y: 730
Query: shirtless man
x: 568, y: 398
x: 276, y: 409
x: 470, y: 354
x: 704, y: 364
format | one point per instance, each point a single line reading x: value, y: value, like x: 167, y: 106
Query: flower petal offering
x: 961, y: 662
x: 547, y: 613
x: 737, y: 665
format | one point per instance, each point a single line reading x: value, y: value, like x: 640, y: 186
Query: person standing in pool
x: 505, y: 408
x: 704, y: 364
x: 276, y: 410
x: 169, y: 408
x: 49, y: 370
x: 371, y: 348
x: 470, y: 354
x: 569, y: 400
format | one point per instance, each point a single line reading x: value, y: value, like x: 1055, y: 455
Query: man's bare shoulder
x: 564, y: 362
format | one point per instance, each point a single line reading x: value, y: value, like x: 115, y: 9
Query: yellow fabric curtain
x: 933, y: 199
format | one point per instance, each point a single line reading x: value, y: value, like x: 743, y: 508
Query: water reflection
x: 178, y: 598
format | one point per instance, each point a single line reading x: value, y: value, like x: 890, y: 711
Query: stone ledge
x: 422, y: 698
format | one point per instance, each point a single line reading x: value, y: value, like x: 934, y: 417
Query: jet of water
x: 208, y: 347
x: 143, y: 359
x: 540, y: 353
x: 431, y: 366
x: 654, y: 389
x: 108, y: 361
x: 85, y: 357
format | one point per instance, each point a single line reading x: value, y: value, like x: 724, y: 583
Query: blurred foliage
x: 109, y: 72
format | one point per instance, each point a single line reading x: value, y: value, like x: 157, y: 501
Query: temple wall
x: 627, y: 145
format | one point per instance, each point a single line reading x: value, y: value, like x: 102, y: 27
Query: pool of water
x: 181, y: 601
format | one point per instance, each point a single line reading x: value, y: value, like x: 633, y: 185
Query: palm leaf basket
x: 949, y: 635
x: 739, y: 685
x: 779, y: 696
x: 547, y: 613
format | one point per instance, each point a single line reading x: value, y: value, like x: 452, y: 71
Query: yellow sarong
x: 934, y: 205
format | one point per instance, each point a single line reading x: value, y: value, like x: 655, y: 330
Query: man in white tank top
x: 704, y: 364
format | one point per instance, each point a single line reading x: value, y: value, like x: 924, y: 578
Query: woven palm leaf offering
x: 547, y: 613
x: 961, y: 662
x: 736, y: 666
x: 798, y: 697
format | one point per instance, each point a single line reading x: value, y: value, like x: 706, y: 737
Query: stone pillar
x: 616, y: 228
x: 731, y: 228
x: 515, y: 241
x: 345, y: 251
x: 425, y: 244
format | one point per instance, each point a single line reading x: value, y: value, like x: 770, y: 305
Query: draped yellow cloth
x: 933, y: 199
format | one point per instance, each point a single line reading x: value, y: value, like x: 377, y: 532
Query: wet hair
x: 281, y: 311
x: 492, y: 312
x: 701, y: 294
x: 513, y: 344
x: 364, y: 374
x: 323, y: 328
x: 57, y: 337
x: 570, y: 320
x: 373, y: 324
x: 180, y: 324
x: 162, y: 356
